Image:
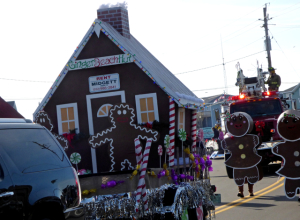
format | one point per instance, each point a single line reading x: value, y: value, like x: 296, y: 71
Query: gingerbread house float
x: 110, y: 67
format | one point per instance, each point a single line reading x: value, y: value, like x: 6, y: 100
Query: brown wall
x: 133, y: 81
x: 75, y: 87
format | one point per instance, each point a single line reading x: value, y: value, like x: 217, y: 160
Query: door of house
x: 98, y: 106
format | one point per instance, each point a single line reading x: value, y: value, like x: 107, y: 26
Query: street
x: 269, y: 201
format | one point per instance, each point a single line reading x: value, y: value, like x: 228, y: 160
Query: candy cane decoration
x: 172, y: 130
x: 141, y: 189
x: 160, y: 151
x: 194, y: 130
x: 138, y: 151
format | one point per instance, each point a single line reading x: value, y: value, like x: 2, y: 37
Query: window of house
x: 67, y: 118
x: 146, y: 108
x: 181, y: 118
x: 104, y: 110
x: 290, y: 96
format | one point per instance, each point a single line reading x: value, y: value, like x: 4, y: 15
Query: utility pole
x: 268, y: 41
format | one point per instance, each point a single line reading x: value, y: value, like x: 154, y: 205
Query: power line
x: 244, y: 57
x: 246, y: 46
x: 12, y: 99
x: 287, y: 11
x: 283, y: 52
x: 235, y: 20
x: 234, y: 86
x: 23, y: 80
x: 218, y: 64
x: 216, y: 43
x: 200, y: 69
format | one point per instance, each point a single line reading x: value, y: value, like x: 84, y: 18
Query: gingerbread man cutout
x: 242, y: 146
x: 121, y: 136
x: 288, y: 127
x: 43, y: 119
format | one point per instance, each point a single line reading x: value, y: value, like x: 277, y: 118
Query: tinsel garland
x: 188, y: 195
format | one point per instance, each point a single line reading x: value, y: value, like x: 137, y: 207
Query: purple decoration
x: 174, y: 176
x: 182, y: 176
x: 208, y: 163
x: 190, y: 177
x: 111, y: 183
x: 161, y: 173
x: 210, y: 169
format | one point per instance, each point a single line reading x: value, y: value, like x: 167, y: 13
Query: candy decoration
x: 182, y: 134
x: 194, y: 130
x: 160, y: 151
x: 169, y: 151
x: 172, y: 130
x: 201, y: 134
x: 75, y: 158
x: 141, y: 189
x: 138, y: 151
x: 167, y: 141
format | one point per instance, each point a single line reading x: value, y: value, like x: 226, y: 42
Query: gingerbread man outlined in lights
x: 288, y: 127
x: 121, y: 136
x: 43, y: 119
x: 242, y: 146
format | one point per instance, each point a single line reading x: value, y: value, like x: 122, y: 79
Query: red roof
x: 7, y: 111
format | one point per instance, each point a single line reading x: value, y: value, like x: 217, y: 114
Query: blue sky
x: 38, y: 39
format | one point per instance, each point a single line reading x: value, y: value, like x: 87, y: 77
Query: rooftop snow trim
x: 118, y: 4
x: 189, y: 99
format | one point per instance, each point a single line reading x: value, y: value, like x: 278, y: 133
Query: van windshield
x: 32, y: 150
x: 258, y: 108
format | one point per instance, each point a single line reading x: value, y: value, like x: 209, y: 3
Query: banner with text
x: 100, y: 61
x: 104, y: 83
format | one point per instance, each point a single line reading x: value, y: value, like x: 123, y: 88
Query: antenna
x: 224, y: 71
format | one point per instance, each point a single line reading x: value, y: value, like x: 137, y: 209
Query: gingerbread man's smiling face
x: 239, y: 124
x: 121, y: 114
x: 43, y: 119
x: 288, y: 125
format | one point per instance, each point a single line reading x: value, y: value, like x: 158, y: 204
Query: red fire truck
x: 264, y: 107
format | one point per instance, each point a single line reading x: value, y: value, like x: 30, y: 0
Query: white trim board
x: 90, y: 117
x: 58, y: 113
x: 137, y: 102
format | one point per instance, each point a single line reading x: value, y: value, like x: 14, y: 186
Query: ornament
x: 167, y: 141
x: 182, y: 134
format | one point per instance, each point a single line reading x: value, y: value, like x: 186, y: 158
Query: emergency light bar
x: 270, y: 93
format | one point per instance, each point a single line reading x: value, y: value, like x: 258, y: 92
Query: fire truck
x: 264, y: 107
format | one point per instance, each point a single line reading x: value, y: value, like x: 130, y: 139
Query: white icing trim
x: 90, y: 118
x: 246, y: 176
x: 275, y: 147
x: 237, y: 114
x: 123, y: 164
x: 42, y: 113
x: 59, y: 137
x: 243, y: 167
x: 286, y: 193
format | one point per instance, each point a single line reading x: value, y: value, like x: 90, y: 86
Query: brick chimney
x: 116, y: 17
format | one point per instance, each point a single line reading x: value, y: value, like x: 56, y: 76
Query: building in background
x: 9, y: 109
x: 293, y: 96
x: 212, y: 113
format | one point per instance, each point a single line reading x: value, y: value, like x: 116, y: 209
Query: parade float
x: 128, y: 126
